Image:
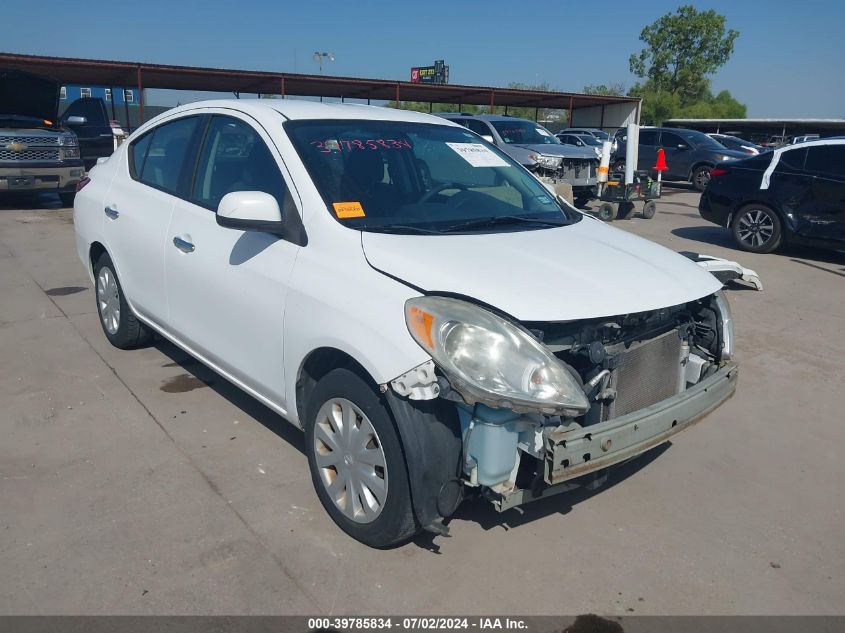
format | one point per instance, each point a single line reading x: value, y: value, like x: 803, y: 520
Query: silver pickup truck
x: 36, y: 152
x: 537, y: 149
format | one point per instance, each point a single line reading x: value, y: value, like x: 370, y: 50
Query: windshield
x: 524, y: 133
x: 601, y: 135
x: 700, y: 139
x: 396, y: 176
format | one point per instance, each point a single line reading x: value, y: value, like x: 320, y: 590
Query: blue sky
x: 786, y: 62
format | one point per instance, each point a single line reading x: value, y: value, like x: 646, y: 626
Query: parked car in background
x: 773, y: 142
x: 601, y: 135
x: 581, y: 140
x: 690, y: 155
x: 37, y: 153
x: 738, y: 144
x: 592, y: 131
x: 408, y: 295
x: 537, y: 149
x: 805, y: 138
x: 89, y: 119
x: 795, y: 194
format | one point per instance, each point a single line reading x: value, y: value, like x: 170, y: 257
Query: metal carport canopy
x: 96, y: 72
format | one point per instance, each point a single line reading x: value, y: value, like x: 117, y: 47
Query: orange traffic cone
x: 661, y: 161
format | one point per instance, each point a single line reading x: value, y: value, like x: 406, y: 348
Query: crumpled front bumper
x: 573, y: 453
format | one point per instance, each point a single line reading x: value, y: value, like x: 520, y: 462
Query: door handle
x: 183, y: 245
x: 111, y: 212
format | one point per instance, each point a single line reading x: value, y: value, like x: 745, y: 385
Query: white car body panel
x: 580, y: 271
x: 254, y: 307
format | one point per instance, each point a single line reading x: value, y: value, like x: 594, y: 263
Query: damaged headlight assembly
x: 547, y: 162
x: 491, y: 361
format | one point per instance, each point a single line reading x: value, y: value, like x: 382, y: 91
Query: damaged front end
x: 540, y: 404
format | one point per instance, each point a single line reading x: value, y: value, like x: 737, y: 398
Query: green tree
x: 610, y: 90
x: 682, y: 49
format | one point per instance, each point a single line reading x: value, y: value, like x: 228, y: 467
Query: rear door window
x: 793, y: 160
x: 166, y: 155
x: 479, y: 127
x: 648, y: 137
x: 826, y: 159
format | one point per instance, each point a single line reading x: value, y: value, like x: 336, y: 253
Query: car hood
x: 567, y: 151
x: 580, y: 271
x: 28, y: 95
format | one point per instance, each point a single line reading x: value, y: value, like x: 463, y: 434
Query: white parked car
x: 407, y: 294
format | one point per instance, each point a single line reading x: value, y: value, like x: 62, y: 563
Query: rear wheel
x: 649, y: 209
x: 701, y: 177
x: 758, y: 229
x: 356, y: 461
x: 120, y: 325
x: 607, y: 212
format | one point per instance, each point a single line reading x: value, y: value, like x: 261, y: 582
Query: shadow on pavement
x: 239, y: 398
x: 29, y: 201
x: 714, y: 235
x: 483, y: 513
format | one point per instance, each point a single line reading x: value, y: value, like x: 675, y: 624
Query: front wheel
x: 758, y: 229
x: 649, y: 209
x: 356, y: 461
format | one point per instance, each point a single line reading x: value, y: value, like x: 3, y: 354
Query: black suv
x: 690, y: 155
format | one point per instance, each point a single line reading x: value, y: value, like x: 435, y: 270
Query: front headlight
x: 727, y: 324
x: 70, y: 152
x: 490, y: 360
x: 548, y: 162
x: 68, y: 139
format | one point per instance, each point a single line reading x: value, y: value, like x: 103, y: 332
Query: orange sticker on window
x: 345, y: 210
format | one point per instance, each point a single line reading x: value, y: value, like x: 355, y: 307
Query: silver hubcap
x: 703, y: 178
x: 108, y: 300
x: 350, y: 460
x: 755, y: 228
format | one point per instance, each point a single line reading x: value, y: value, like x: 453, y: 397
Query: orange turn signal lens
x: 421, y: 324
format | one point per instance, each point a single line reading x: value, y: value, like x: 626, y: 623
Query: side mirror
x: 683, y: 146
x: 579, y: 143
x: 250, y: 211
x: 488, y: 138
x: 76, y: 120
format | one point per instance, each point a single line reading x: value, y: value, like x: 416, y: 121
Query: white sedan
x: 412, y: 298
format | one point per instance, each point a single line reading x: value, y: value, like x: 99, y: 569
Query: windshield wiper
x: 499, y: 220
x: 400, y: 228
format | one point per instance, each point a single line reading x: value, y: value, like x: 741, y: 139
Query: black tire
x: 395, y: 521
x: 618, y: 167
x: 701, y: 177
x: 130, y: 332
x: 625, y: 211
x: 67, y: 198
x: 649, y: 209
x: 757, y: 229
x: 606, y: 212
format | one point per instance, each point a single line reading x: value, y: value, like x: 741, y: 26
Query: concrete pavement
x: 141, y: 482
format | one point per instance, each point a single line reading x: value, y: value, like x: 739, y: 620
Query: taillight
x: 82, y: 183
x: 718, y: 171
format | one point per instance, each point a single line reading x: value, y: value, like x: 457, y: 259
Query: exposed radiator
x: 646, y: 373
